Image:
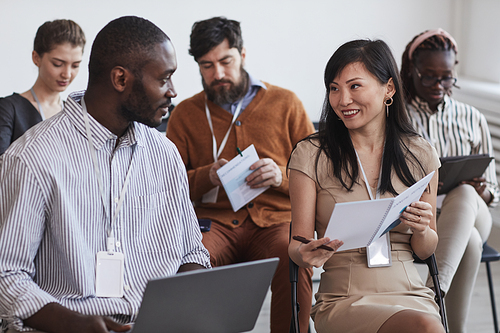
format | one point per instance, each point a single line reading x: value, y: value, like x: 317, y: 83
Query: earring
x: 387, y: 104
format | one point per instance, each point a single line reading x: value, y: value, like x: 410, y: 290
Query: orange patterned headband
x: 420, y: 39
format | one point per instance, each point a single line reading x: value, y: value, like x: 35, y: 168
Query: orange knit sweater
x: 274, y: 122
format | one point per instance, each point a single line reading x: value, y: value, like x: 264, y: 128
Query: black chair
x: 489, y: 255
x: 293, y: 269
x: 433, y: 271
x: 294, y: 279
x: 431, y: 264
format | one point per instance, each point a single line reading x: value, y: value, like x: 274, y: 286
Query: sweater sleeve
x: 300, y: 126
x: 178, y: 131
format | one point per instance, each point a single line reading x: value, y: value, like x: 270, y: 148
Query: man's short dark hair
x: 127, y: 41
x: 207, y: 34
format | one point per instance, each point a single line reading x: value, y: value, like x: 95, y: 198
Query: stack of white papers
x: 360, y: 223
x: 232, y: 176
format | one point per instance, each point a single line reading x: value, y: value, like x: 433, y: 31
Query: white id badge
x: 379, y: 252
x: 210, y: 196
x: 109, y: 274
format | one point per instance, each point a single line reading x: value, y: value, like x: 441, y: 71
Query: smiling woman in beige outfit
x: 365, y: 148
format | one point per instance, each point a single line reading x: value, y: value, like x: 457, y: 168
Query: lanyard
x: 378, y: 254
x: 110, y: 243
x: 366, y: 179
x: 216, y: 152
x: 40, y: 105
x: 427, y: 137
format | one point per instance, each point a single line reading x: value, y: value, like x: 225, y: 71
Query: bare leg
x: 411, y: 321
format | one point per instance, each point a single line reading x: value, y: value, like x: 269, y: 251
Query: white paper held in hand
x: 232, y: 176
x: 359, y: 223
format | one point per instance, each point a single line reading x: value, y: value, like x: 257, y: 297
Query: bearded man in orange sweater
x: 234, y: 111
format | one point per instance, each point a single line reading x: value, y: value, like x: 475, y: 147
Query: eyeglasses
x: 429, y: 81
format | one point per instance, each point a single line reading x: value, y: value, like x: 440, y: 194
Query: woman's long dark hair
x: 333, y: 136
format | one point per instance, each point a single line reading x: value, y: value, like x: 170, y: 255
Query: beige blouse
x: 329, y: 190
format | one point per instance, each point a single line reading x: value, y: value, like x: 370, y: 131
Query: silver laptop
x: 223, y: 299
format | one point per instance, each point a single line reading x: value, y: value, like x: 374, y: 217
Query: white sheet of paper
x: 211, y: 196
x: 358, y: 223
x: 232, y: 176
x: 354, y: 224
x: 403, y: 200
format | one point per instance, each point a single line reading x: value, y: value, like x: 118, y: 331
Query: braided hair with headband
x: 430, y: 40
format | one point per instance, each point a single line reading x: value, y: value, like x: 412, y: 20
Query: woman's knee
x: 474, y: 247
x: 430, y: 324
x: 412, y: 321
x: 461, y: 192
x: 483, y: 221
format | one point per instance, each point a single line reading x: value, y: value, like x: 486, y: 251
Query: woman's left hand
x: 417, y: 216
x: 479, y: 184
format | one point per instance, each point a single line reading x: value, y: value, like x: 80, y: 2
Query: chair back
x: 433, y: 271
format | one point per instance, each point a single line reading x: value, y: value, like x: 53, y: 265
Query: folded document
x: 360, y: 223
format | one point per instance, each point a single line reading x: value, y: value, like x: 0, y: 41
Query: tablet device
x: 455, y: 169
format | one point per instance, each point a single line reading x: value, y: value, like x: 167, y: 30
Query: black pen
x: 239, y: 151
x: 306, y: 241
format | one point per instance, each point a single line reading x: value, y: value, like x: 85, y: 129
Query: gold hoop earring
x: 387, y: 104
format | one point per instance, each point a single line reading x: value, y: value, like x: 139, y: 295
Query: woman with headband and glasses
x: 454, y: 129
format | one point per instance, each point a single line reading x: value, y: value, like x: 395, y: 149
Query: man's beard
x: 228, y: 95
x: 138, y: 108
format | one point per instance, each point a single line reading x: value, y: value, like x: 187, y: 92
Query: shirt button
x: 126, y: 287
x: 118, y: 244
x: 237, y: 123
x: 250, y: 205
x: 116, y: 200
x: 235, y: 222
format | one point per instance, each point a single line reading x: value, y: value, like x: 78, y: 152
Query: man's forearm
x: 199, y: 182
x: 55, y: 318
x: 190, y: 267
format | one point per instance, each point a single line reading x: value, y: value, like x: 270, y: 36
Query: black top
x: 17, y: 115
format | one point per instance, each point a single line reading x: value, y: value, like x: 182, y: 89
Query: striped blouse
x: 456, y: 129
x: 53, y: 220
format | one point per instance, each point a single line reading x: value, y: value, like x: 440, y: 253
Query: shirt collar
x: 100, y: 134
x: 255, y: 82
x: 423, y: 107
x: 253, y: 86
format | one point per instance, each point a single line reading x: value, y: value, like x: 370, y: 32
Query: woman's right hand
x: 312, y: 255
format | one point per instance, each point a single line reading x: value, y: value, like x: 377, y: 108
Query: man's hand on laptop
x: 190, y: 267
x: 56, y: 318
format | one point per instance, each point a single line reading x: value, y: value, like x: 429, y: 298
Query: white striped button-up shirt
x: 456, y: 129
x: 53, y: 221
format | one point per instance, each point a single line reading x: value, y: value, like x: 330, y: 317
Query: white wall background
x: 288, y: 41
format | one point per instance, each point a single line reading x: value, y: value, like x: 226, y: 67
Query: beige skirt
x: 355, y: 298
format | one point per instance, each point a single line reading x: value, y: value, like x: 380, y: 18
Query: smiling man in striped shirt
x: 95, y: 182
